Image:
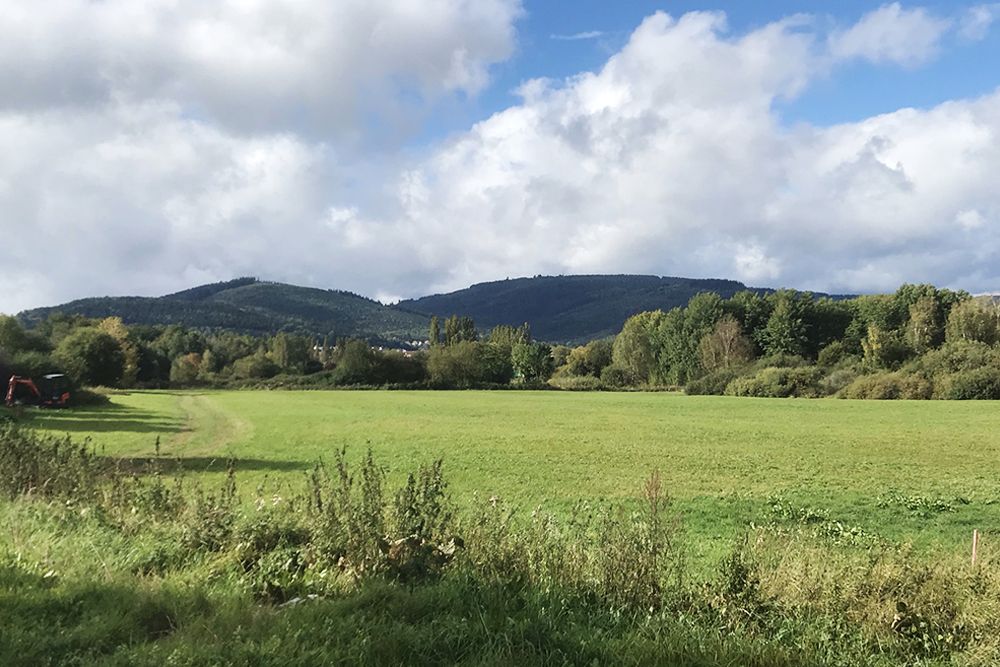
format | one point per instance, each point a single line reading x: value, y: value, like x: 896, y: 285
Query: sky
x: 398, y: 148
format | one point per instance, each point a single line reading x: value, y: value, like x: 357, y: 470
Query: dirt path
x: 208, y: 429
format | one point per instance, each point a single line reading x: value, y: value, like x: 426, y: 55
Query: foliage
x: 973, y: 321
x: 885, y: 350
x: 91, y: 356
x: 532, y: 361
x: 787, y: 331
x: 982, y: 384
x: 726, y: 346
x: 256, y: 366
x: 590, y: 359
x: 633, y: 351
x: 45, y: 466
x: 468, y: 364
x: 889, y: 386
x: 774, y: 382
x: 713, y: 383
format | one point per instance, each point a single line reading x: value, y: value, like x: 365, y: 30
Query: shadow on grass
x: 105, y: 419
x: 167, y: 465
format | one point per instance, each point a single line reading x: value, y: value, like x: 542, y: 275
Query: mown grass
x: 921, y: 472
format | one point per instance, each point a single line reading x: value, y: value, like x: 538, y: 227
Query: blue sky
x: 964, y: 68
x: 397, y: 148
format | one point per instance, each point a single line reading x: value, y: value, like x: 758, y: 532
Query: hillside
x: 560, y: 309
x: 254, y: 307
x: 567, y: 309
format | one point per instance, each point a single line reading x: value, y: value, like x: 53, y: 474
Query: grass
x: 920, y: 472
x: 772, y: 566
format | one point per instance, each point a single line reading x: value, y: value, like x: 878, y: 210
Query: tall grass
x: 129, y: 568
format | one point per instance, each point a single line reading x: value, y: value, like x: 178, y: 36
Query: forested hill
x: 560, y: 309
x: 254, y: 307
x: 568, y: 309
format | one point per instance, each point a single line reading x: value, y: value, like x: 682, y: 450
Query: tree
x: 633, y: 351
x: 279, y: 350
x: 507, y: 336
x: 787, y: 331
x: 468, y: 364
x: 925, y: 330
x: 184, y: 369
x: 532, y: 361
x: 885, y: 350
x: 117, y: 330
x: 12, y: 335
x: 725, y: 346
x: 452, y: 330
x: 974, y: 320
x: 679, y: 335
x: 435, y: 333
x: 91, y: 357
x: 467, y: 330
x: 590, y: 359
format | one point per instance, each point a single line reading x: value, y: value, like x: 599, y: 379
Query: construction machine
x: 51, y: 391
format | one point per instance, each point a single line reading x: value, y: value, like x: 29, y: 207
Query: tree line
x: 919, y: 342
x: 105, y: 352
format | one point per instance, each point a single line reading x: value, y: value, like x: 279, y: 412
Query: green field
x: 921, y: 472
x: 812, y: 532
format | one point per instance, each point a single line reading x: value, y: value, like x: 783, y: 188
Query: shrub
x: 713, y: 384
x: 836, y: 381
x: 616, y: 376
x: 778, y: 383
x: 255, y: 367
x: 981, y: 384
x: 955, y: 357
x: 889, y: 386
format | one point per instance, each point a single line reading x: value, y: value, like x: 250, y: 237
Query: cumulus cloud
x: 184, y: 142
x: 906, y: 37
x: 670, y: 160
x: 315, y: 67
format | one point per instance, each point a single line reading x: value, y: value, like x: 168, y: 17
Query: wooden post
x: 975, y: 546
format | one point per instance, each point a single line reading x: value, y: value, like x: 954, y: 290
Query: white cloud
x: 592, y: 34
x: 907, y: 37
x: 976, y: 21
x: 128, y: 167
x: 319, y: 67
x: 670, y: 160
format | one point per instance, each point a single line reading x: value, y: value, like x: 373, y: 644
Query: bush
x: 836, y: 381
x: 254, y: 367
x: 889, y: 386
x: 778, y: 383
x: 713, y: 384
x: 616, y: 376
x: 955, y: 357
x: 982, y: 384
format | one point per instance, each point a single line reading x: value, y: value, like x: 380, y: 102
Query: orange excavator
x: 51, y: 391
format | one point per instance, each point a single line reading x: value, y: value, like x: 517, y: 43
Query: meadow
x: 816, y: 532
x: 922, y: 472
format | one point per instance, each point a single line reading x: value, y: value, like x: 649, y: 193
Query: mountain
x: 560, y: 309
x: 567, y: 309
x: 255, y: 307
